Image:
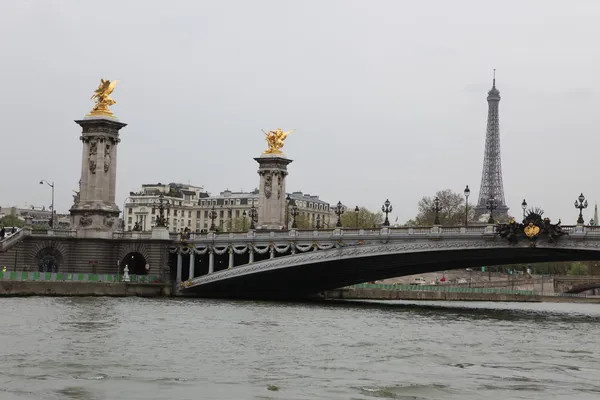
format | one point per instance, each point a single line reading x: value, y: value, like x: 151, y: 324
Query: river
x: 132, y: 348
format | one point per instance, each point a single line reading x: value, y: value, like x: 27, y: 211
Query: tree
x: 366, y: 218
x: 452, y: 210
x: 11, y: 220
x: 579, y: 268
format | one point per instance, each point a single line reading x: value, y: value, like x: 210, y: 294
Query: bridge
x: 300, y: 263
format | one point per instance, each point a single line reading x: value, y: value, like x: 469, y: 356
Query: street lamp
x: 524, y: 207
x: 253, y: 216
x: 356, y: 211
x: 491, y: 205
x: 318, y: 221
x: 436, y: 209
x: 386, y: 208
x: 294, y: 213
x: 160, y: 221
x: 467, y: 193
x: 244, y: 219
x: 339, y: 210
x: 581, y: 203
x: 212, y: 215
x: 52, y: 186
x: 287, y: 211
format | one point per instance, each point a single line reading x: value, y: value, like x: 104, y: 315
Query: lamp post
x: 161, y: 221
x: 339, y: 211
x: 244, y: 219
x: 524, y: 207
x: 356, y: 212
x: 294, y: 213
x: 318, y: 221
x: 287, y: 211
x: 581, y: 203
x: 467, y: 193
x: 491, y: 205
x: 212, y: 215
x: 436, y: 209
x: 253, y: 216
x: 52, y: 214
x: 386, y: 208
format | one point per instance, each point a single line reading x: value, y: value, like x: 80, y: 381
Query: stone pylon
x: 272, y: 169
x: 94, y: 212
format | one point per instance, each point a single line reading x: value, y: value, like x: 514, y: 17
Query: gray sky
x: 388, y: 98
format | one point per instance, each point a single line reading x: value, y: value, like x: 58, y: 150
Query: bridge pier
x: 179, y: 266
x: 192, y: 264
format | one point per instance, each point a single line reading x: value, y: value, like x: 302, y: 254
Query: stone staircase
x: 9, y: 242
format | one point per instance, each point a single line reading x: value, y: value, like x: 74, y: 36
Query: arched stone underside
x: 48, y: 255
x: 315, y: 271
x: 584, y: 287
x: 133, y: 248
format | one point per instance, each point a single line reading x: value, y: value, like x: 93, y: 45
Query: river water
x: 130, y: 348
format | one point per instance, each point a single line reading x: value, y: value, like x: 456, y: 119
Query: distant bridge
x: 298, y: 263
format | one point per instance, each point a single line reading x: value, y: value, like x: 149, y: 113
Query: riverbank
x: 66, y: 288
x: 381, y: 294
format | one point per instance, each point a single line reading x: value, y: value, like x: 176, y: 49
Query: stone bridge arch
x: 135, y: 256
x: 48, y: 255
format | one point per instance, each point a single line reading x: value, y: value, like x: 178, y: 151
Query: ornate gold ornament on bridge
x: 275, y: 140
x: 531, y: 230
x: 532, y: 227
x: 102, y: 99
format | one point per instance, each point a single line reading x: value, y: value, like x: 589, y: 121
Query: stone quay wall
x: 41, y: 288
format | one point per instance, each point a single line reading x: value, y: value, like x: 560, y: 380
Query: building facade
x: 181, y: 203
x: 191, y: 207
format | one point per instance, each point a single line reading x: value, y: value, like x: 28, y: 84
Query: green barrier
x: 36, y: 276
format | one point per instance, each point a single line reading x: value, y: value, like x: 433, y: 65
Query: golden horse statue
x: 275, y: 140
x: 102, y: 98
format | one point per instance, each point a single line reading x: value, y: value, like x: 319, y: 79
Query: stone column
x: 179, y: 266
x: 250, y: 255
x: 230, y: 258
x: 94, y: 213
x: 272, y: 252
x: 271, y: 193
x: 211, y: 261
x: 192, y: 264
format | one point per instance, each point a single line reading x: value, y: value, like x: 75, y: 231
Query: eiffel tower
x: 491, y: 177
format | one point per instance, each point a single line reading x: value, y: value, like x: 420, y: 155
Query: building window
x: 221, y: 214
x: 153, y: 211
x: 189, y: 222
x: 189, y: 214
x: 129, y: 220
x: 197, y: 214
x: 226, y: 202
x: 205, y: 214
x: 130, y: 210
x: 237, y: 213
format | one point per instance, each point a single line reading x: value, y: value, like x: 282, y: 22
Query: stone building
x: 190, y: 207
x: 141, y: 207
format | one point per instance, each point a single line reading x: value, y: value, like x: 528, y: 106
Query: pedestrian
x: 14, y: 230
x: 2, y: 233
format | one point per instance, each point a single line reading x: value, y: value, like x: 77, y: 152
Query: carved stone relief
x: 107, y: 158
x: 268, y: 185
x: 85, y: 220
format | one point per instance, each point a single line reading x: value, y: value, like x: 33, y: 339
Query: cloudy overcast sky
x: 388, y: 98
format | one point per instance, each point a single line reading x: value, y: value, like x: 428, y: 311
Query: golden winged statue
x: 102, y: 98
x: 275, y: 140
